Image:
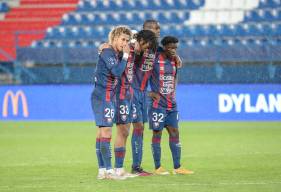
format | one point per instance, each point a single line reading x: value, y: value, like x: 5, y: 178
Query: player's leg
x: 156, y: 124
x: 138, y: 126
x: 171, y: 125
x: 105, y: 139
x: 104, y: 115
x: 120, y: 144
x: 175, y: 145
x: 102, y: 169
x: 139, y: 116
x: 123, y: 120
x: 120, y: 150
x: 136, y: 143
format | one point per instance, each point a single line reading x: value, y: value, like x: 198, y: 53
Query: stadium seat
x: 4, y: 7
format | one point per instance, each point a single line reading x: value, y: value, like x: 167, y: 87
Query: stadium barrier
x: 195, y: 102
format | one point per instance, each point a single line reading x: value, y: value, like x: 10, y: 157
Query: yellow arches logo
x: 15, y: 103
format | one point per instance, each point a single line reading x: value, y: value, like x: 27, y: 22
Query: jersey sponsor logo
x: 148, y: 63
x: 238, y: 103
x: 130, y: 71
x: 167, y: 86
x: 14, y: 98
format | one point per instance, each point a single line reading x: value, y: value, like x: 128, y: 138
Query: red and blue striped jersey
x: 143, y: 69
x: 163, y: 81
x: 108, y: 70
x: 124, y: 86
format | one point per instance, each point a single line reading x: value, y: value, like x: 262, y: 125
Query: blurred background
x: 222, y: 42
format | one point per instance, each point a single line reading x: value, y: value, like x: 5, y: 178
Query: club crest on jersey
x: 124, y: 117
x: 109, y: 120
x: 156, y: 124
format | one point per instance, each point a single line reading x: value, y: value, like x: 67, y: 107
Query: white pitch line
x: 150, y: 184
x: 213, y: 184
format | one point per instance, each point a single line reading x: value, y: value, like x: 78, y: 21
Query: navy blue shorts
x: 139, y: 106
x: 160, y: 118
x: 104, y: 112
x: 123, y: 111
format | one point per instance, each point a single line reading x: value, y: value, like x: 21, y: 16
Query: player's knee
x: 105, y: 132
x: 125, y: 133
x: 157, y: 133
x: 173, y: 132
x: 138, y: 125
x: 123, y: 130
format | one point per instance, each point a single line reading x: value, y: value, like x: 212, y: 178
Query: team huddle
x: 124, y: 70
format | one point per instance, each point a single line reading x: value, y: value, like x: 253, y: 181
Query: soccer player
x: 163, y: 112
x: 109, y: 69
x: 144, y: 65
x: 144, y: 40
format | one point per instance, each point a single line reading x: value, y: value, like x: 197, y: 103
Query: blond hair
x: 117, y: 31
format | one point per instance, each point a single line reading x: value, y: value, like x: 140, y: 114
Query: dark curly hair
x: 148, y: 37
x: 169, y: 39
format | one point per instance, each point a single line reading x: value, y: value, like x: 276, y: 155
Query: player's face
x: 141, y: 46
x: 171, y: 49
x: 155, y: 28
x: 120, y: 42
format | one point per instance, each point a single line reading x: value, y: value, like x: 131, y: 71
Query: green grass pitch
x: 60, y: 156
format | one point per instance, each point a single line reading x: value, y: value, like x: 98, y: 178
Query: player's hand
x: 178, y: 61
x: 103, y: 46
x: 154, y: 96
x: 126, y: 49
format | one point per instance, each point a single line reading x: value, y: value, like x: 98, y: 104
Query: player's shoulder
x: 160, y: 49
x: 108, y: 52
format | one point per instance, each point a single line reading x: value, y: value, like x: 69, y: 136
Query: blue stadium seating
x: 258, y: 30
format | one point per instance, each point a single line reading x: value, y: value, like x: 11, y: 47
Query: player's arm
x: 116, y: 67
x: 178, y: 61
x: 154, y: 96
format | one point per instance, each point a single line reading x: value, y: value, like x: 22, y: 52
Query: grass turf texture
x: 60, y: 156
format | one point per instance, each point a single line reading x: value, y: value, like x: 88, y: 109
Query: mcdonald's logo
x: 15, y: 103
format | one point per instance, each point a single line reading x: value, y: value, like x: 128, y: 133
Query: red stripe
x: 143, y: 83
x: 102, y: 139
x: 123, y: 78
x: 156, y: 139
x: 119, y: 154
x: 122, y: 88
x: 174, y: 139
x: 97, y: 139
x: 108, y: 89
x: 138, y: 131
